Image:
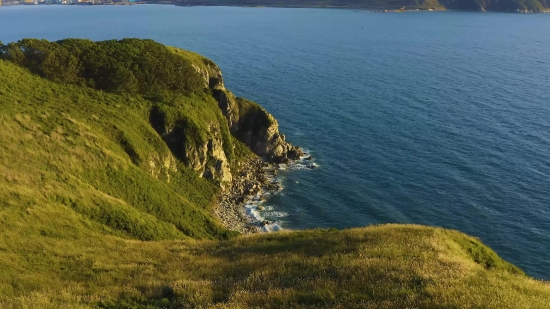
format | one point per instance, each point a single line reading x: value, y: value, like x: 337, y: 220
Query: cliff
x: 139, y: 102
x: 112, y: 158
x: 194, y: 133
x: 247, y: 121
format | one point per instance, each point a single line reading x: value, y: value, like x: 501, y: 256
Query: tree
x: 131, y: 66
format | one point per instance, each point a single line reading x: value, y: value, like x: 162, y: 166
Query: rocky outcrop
x: 200, y: 149
x: 161, y: 166
x: 246, y: 120
x: 227, y: 102
x: 256, y: 128
x: 209, y: 157
x: 211, y: 74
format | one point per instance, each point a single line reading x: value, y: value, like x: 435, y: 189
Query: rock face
x: 206, y: 157
x: 200, y: 149
x: 209, y: 158
x: 256, y: 128
x: 162, y: 166
x: 248, y: 121
x: 205, y: 151
x: 211, y: 74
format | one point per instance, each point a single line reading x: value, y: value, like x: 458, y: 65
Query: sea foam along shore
x: 238, y: 206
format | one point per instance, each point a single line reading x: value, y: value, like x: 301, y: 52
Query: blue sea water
x: 430, y: 118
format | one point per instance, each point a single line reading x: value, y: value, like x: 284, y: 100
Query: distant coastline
x: 377, y: 6
x: 68, y: 2
x: 385, y: 6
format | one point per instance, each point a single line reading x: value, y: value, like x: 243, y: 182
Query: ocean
x: 435, y: 118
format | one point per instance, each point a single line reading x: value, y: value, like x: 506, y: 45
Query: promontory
x: 113, y: 158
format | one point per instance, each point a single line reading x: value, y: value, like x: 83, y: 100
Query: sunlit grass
x: 97, y: 154
x: 97, y: 212
x: 390, y: 266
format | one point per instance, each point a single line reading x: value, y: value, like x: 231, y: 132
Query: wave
x: 261, y: 214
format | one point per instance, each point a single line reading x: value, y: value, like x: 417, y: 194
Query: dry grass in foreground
x: 388, y: 266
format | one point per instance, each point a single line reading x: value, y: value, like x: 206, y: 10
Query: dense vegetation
x: 96, y: 152
x: 130, y: 66
x: 97, y: 211
x: 470, y: 5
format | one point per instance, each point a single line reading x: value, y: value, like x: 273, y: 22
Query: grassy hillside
x: 99, y: 210
x: 390, y: 266
x: 95, y: 154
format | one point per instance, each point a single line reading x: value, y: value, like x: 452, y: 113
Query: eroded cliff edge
x: 247, y: 121
x: 168, y: 132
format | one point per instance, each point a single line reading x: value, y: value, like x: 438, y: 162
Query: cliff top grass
x: 388, y: 266
x: 98, y: 211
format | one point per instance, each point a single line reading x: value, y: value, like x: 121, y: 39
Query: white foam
x: 252, y: 211
x: 254, y: 203
x: 276, y: 214
x: 272, y: 227
x: 306, y: 154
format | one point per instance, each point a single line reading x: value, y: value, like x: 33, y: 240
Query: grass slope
x: 96, y: 212
x: 94, y: 153
x: 389, y: 266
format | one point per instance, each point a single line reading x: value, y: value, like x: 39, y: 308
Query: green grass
x: 97, y: 210
x: 97, y: 154
x: 388, y: 266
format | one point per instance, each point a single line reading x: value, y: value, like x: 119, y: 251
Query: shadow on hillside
x: 306, y: 247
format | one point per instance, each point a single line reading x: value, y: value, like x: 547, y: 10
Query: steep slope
x: 95, y: 154
x: 114, y: 129
x: 248, y: 121
x: 145, y: 159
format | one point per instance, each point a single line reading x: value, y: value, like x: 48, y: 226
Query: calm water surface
x: 430, y: 118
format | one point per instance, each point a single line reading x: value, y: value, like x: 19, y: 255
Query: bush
x: 130, y: 66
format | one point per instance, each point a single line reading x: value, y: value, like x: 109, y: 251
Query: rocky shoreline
x: 255, y: 180
x: 239, y: 202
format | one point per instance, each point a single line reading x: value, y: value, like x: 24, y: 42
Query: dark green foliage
x: 484, y: 255
x: 130, y: 66
x: 252, y: 117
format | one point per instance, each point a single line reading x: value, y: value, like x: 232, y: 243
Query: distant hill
x: 525, y: 6
x: 112, y: 155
